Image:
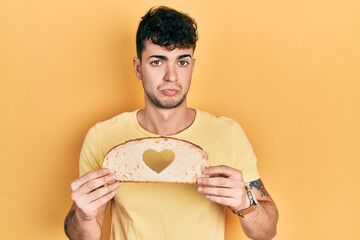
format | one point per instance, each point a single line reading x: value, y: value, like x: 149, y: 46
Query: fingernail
x: 199, y: 180
x: 207, y: 196
x: 110, y: 178
x: 200, y: 189
x: 205, y: 170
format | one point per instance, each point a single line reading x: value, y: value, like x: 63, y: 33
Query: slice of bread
x: 133, y: 161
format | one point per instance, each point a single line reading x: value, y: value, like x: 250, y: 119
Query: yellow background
x: 287, y: 71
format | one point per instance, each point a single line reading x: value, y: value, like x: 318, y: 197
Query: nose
x: 171, y: 74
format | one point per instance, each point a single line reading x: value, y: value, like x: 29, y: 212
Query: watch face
x: 253, y: 200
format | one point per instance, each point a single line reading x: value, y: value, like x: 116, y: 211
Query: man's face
x: 165, y: 75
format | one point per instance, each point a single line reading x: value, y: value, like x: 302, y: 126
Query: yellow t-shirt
x: 164, y: 210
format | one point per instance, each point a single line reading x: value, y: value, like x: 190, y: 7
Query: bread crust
x: 200, y: 165
x: 161, y: 137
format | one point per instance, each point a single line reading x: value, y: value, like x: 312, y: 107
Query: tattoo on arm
x: 258, y: 184
x: 67, y: 220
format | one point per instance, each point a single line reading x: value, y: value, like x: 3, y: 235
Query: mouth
x: 169, y: 92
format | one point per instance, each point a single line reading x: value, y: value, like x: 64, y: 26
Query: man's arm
x: 226, y: 186
x: 77, y: 228
x: 91, y: 196
x: 261, y: 223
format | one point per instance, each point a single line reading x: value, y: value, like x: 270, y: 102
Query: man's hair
x: 166, y: 27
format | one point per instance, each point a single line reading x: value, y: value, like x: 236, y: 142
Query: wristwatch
x: 251, y: 208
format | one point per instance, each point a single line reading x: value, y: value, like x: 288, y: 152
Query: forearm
x: 261, y: 224
x: 230, y: 190
x: 78, y: 229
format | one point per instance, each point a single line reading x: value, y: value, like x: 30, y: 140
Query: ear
x: 193, y: 65
x: 137, y: 69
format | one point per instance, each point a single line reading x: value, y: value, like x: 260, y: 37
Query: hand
x: 224, y: 185
x: 89, y: 192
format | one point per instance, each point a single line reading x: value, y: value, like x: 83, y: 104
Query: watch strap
x: 251, y: 208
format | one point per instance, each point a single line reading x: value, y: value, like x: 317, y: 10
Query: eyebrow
x: 158, y: 56
x: 165, y: 58
x: 184, y: 56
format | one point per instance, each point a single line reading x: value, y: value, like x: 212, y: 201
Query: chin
x: 166, y: 102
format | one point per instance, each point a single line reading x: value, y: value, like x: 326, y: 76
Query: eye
x: 184, y: 63
x: 156, y: 63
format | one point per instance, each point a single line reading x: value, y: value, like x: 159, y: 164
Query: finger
x: 90, y: 209
x: 223, y: 170
x: 95, y: 184
x: 220, y: 182
x: 101, y: 192
x: 221, y: 192
x: 101, y: 201
x: 217, y: 175
x: 87, y: 177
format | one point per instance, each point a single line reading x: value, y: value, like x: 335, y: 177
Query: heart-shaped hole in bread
x: 158, y: 161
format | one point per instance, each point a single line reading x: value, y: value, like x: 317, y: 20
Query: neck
x: 166, y: 122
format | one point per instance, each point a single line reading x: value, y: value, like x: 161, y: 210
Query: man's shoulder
x: 121, y: 119
x: 211, y: 118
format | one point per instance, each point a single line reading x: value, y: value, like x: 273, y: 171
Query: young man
x: 166, y: 41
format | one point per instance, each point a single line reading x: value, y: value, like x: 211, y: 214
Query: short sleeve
x: 245, y: 159
x: 90, y: 154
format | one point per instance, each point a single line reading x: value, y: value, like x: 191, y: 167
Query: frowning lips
x: 169, y: 92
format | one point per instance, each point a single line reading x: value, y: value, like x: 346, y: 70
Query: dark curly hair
x: 168, y: 28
